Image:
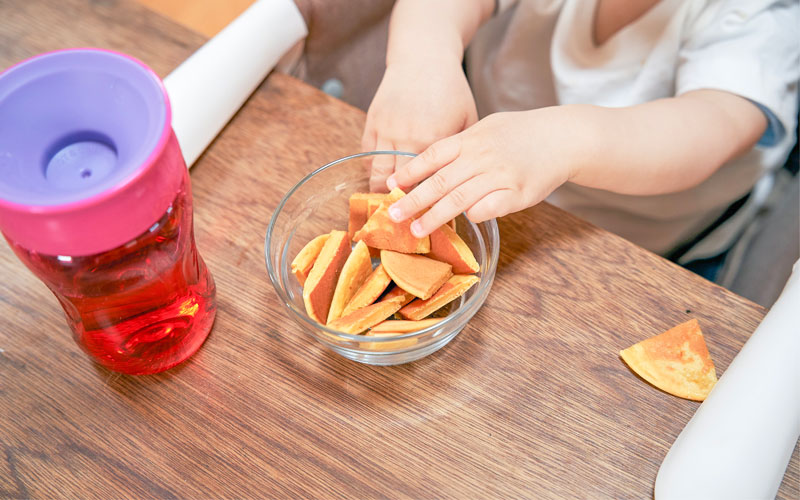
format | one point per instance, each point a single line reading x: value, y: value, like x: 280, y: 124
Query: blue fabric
x: 775, y: 130
x: 708, y: 268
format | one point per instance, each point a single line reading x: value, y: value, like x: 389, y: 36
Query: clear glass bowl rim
x: 492, y: 253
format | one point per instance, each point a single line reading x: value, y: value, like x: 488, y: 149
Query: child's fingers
x: 382, y: 166
x: 458, y: 200
x: 436, y: 156
x: 495, y: 204
x: 432, y: 189
x: 400, y: 160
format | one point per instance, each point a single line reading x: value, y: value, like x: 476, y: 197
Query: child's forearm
x: 663, y: 146
x: 438, y: 30
x: 510, y: 161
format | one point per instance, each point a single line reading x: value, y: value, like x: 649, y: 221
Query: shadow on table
x: 128, y: 385
x: 525, y: 234
x: 407, y: 394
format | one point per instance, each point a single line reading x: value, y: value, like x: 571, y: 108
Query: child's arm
x: 424, y: 95
x: 511, y: 161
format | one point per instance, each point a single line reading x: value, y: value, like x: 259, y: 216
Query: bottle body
x: 95, y: 199
x: 143, y: 306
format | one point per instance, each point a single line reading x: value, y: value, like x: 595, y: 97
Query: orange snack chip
x: 355, y: 270
x: 373, y: 204
x: 370, y: 290
x: 304, y: 261
x: 321, y: 282
x: 396, y: 291
x: 360, y: 204
x: 455, y: 287
x: 387, y: 346
x: 340, y: 287
x: 447, y: 246
x: 676, y: 361
x: 361, y: 319
x: 399, y: 326
x: 416, y: 274
x: 381, y: 232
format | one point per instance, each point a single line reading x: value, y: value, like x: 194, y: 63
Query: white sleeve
x: 750, y: 48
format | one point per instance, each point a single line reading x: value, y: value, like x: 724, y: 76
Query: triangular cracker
x: 381, y: 232
x: 416, y: 274
x: 356, y: 269
x: 321, y: 282
x: 447, y: 246
x: 676, y: 361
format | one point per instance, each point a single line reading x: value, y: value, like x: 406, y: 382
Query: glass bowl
x: 320, y: 203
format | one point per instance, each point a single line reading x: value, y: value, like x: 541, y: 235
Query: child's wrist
x: 411, y: 49
x: 588, y: 125
x: 427, y: 64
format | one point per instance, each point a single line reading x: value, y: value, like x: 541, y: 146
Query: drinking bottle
x: 95, y: 200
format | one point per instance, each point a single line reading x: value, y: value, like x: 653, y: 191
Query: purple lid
x: 82, y: 131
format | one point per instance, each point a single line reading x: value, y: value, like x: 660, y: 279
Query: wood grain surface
x: 530, y: 400
x: 207, y: 17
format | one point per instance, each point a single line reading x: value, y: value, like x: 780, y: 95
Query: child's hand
x: 424, y: 95
x: 416, y: 104
x: 511, y: 161
x: 504, y: 163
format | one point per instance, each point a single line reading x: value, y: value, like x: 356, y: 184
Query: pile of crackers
x: 414, y: 278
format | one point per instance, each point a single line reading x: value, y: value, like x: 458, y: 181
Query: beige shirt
x: 538, y: 53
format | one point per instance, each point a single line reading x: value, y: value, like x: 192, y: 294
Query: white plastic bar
x: 212, y: 84
x: 740, y: 440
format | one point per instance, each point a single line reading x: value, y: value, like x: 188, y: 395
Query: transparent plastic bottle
x: 97, y: 203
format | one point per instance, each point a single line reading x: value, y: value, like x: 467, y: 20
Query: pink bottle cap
x: 88, y: 160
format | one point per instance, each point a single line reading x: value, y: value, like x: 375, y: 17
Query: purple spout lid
x: 84, y: 137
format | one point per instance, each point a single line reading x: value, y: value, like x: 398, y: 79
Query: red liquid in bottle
x: 142, y: 307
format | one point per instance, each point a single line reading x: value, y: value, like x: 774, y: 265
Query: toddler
x: 649, y: 118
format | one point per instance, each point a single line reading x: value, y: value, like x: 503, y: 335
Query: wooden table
x: 531, y: 400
